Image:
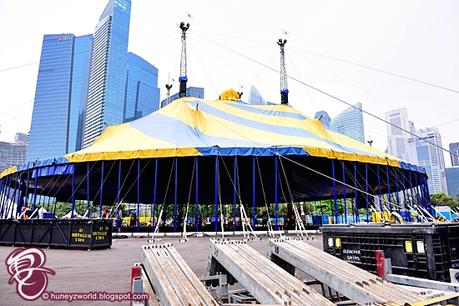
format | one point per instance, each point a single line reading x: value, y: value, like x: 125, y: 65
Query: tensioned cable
x: 398, y: 75
x: 326, y: 93
x: 295, y: 162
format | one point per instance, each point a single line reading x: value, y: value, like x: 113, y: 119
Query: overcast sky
x: 419, y: 39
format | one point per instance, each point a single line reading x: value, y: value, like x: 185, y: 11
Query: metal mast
x: 283, y: 72
x: 183, y: 78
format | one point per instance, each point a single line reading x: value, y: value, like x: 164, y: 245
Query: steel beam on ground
x: 266, y: 282
x: 357, y: 284
x: 173, y: 280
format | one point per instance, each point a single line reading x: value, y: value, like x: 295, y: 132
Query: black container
x: 426, y: 250
x: 59, y: 233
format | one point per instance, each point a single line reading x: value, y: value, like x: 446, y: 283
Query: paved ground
x: 108, y: 270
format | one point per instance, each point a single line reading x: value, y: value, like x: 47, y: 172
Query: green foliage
x: 442, y: 199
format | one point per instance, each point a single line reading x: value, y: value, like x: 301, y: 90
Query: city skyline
x: 374, y: 85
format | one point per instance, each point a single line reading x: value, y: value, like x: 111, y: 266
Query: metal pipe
x: 235, y: 184
x: 216, y: 195
x: 175, y: 195
x: 138, y: 196
x: 102, y: 166
x: 196, y: 194
x: 155, y: 189
x: 254, y: 193
x: 356, y: 206
x: 366, y: 193
x: 344, y: 191
x: 335, y: 200
x: 388, y: 189
x: 276, y: 193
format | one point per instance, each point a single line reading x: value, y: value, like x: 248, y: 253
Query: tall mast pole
x: 183, y: 77
x: 283, y: 72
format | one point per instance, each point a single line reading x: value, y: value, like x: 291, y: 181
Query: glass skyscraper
x: 255, y: 97
x: 452, y: 181
x: 142, y: 92
x: 197, y: 92
x: 430, y: 157
x: 62, y: 75
x: 107, y: 80
x: 350, y: 123
x: 80, y: 79
x: 323, y: 117
x: 454, y: 149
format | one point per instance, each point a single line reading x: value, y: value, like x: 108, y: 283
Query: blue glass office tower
x: 255, y: 97
x: 323, y: 117
x: 142, y: 92
x: 57, y: 104
x: 80, y: 80
x: 350, y: 123
x: 197, y: 92
x: 107, y: 80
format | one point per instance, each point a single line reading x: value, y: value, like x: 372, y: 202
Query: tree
x: 442, y: 199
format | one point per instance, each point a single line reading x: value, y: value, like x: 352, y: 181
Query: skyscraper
x: 80, y: 80
x: 454, y: 149
x: 107, y: 80
x: 255, y: 97
x: 13, y: 153
x: 197, y: 92
x: 430, y: 156
x: 323, y: 117
x: 452, y: 181
x: 142, y: 92
x: 350, y: 123
x: 61, y: 76
x: 397, y: 139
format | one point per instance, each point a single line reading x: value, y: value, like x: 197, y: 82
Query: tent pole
x: 254, y: 194
x: 427, y: 192
x: 175, y: 194
x: 18, y: 204
x: 6, y: 197
x: 1, y: 196
x: 13, y: 199
x: 216, y: 195
x: 411, y: 188
x: 196, y: 194
x: 344, y: 191
x: 101, y: 188
x: 356, y: 206
x: 27, y: 189
x: 404, y: 189
x: 73, y: 192
x: 118, y: 220
x: 397, y: 199
x: 416, y: 190
x: 138, y: 196
x: 276, y: 193
x: 388, y: 188
x: 379, y: 190
x: 87, y: 190
x: 35, y: 183
x: 335, y: 201
x: 235, y: 184
x: 155, y: 187
x: 366, y: 193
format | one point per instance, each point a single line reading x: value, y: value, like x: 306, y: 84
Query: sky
x: 415, y: 38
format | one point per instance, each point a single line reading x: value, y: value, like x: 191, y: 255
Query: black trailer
x: 426, y: 250
x: 57, y: 233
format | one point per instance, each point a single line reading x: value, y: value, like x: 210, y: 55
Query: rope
x: 328, y: 94
x: 269, y: 224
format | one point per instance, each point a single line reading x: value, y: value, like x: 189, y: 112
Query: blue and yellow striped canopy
x: 195, y: 127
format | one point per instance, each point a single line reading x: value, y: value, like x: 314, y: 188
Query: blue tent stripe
x: 255, y: 110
